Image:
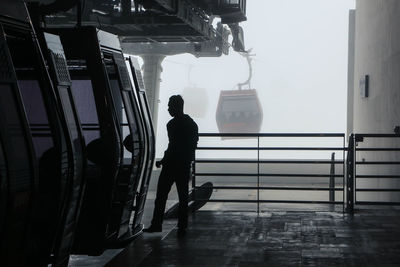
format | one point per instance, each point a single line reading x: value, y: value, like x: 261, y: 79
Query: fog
x: 299, y: 69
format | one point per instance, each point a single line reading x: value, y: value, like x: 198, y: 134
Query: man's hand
x: 158, y: 164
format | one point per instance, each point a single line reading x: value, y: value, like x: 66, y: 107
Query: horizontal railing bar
x: 377, y: 162
x: 377, y: 135
x: 225, y: 174
x: 377, y: 149
x: 377, y: 203
x: 273, y: 188
x: 273, y: 148
x: 301, y: 175
x: 267, y: 174
x: 378, y: 190
x: 271, y: 134
x: 378, y: 176
x: 226, y: 148
x: 271, y: 161
x: 271, y: 201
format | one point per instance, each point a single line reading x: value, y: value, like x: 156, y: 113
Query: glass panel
x: 12, y: 122
x: 118, y: 103
x: 120, y: 108
x: 70, y: 117
x: 146, y: 116
x: 135, y: 130
x: 37, y: 116
x: 82, y: 91
x: 240, y: 104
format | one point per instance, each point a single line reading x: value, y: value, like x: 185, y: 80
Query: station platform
x: 278, y: 238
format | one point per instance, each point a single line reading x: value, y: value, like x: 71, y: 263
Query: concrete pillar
x: 350, y: 72
x: 152, y: 78
x: 377, y: 54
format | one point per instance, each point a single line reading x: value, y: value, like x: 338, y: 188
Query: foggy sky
x: 299, y: 71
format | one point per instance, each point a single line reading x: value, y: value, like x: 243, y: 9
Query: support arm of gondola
x: 248, y: 56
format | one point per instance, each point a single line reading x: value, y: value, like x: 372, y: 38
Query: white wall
x: 377, y: 54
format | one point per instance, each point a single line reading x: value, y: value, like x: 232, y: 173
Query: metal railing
x: 260, y: 161
x: 356, y: 174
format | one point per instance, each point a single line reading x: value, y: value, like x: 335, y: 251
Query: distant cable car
x: 196, y: 99
x: 239, y: 111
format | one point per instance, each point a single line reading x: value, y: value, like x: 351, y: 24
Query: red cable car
x: 239, y: 111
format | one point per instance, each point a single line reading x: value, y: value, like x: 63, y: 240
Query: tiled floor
x: 291, y: 238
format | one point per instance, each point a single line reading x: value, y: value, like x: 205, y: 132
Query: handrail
x: 274, y: 188
x: 270, y: 161
x: 271, y: 134
x: 349, y: 166
x: 270, y: 148
x: 376, y: 135
x: 266, y: 174
x: 259, y: 161
x: 354, y: 142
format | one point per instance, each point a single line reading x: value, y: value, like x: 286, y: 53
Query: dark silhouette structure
x: 183, y: 138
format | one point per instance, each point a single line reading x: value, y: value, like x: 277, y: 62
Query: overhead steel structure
x: 154, y: 29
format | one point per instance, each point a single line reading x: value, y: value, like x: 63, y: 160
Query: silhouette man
x: 183, y: 137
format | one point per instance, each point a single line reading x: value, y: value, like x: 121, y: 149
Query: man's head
x: 175, y: 105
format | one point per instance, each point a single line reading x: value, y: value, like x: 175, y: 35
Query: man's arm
x: 167, y: 152
x: 195, y: 139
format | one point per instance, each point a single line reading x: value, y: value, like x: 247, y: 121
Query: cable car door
x: 150, y: 141
x: 129, y: 173
x: 51, y: 142
x: 20, y: 173
x: 70, y: 210
x: 94, y: 104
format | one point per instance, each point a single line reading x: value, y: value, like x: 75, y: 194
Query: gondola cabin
x: 239, y: 111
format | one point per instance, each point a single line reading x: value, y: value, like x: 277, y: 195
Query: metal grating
x: 139, y: 79
x: 125, y: 80
x: 61, y: 68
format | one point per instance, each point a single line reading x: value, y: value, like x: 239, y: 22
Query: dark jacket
x: 183, y: 135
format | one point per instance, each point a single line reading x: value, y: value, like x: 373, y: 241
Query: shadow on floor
x: 286, y: 238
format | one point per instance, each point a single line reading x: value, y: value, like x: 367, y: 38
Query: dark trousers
x: 169, y: 174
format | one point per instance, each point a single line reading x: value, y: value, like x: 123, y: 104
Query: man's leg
x: 165, y: 182
x: 182, y: 180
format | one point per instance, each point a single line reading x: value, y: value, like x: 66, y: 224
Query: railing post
x: 350, y: 174
x: 258, y: 174
x: 332, y: 180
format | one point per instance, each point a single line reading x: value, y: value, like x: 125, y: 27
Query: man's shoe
x: 153, y: 229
